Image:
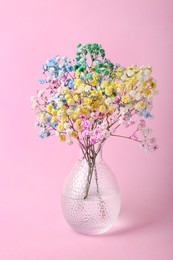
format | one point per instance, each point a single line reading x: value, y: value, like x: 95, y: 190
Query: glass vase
x: 91, y: 197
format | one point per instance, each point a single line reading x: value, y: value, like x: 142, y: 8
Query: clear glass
x: 96, y: 212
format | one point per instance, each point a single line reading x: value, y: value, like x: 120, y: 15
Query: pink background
x: 32, y: 170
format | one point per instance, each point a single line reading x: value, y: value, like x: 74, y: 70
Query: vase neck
x: 99, y: 153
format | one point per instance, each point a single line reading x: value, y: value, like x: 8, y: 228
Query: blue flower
x: 47, y: 134
x: 51, y: 63
x: 41, y: 134
x: 145, y: 113
x: 69, y: 68
x: 54, y: 125
x: 48, y: 119
x: 56, y: 73
x: 44, y: 67
x: 70, y: 83
x: 42, y: 81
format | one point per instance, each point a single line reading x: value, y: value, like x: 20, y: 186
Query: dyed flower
x: 91, y: 100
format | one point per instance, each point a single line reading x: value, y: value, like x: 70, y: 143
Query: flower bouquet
x: 89, y: 99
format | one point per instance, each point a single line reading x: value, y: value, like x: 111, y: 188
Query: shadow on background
x: 135, y: 218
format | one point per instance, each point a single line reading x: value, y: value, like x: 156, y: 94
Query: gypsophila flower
x: 89, y: 99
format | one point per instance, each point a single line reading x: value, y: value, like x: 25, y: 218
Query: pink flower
x: 85, y: 133
x: 155, y: 147
x: 92, y: 140
x: 153, y: 140
x: 142, y: 124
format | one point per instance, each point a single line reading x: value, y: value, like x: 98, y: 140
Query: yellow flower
x: 70, y: 102
x: 95, y: 76
x: 54, y: 119
x: 77, y: 73
x: 105, y: 84
x: 118, y: 74
x: 93, y: 82
x: 120, y: 87
x: 67, y: 97
x: 74, y: 134
x: 60, y: 127
x: 108, y: 91
x: 78, y: 82
x: 78, y: 121
x: 140, y: 105
x: 96, y: 104
x: 126, y: 99
x: 114, y: 84
x: 128, y: 86
x: 62, y: 138
x: 76, y: 97
x: 94, y: 93
x: 152, y: 82
x: 102, y: 108
x: 49, y: 108
x: 75, y: 115
x: 144, y: 84
x: 63, y: 117
x: 65, y: 91
x: 111, y: 108
x: 147, y: 92
x: 78, y: 127
x: 87, y: 101
x: 54, y: 112
x: 120, y: 69
x: 84, y: 111
x: 41, y: 118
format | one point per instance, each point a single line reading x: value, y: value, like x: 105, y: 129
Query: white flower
x: 61, y: 65
x: 48, y: 78
x: 146, y: 132
x: 81, y: 88
x: 58, y: 91
x: 61, y: 72
x: 69, y: 131
x: 69, y: 142
x: 124, y: 77
x: 132, y: 93
x: 32, y: 99
x: 40, y: 93
x: 59, y: 103
x: 147, y: 72
x: 51, y: 70
x: 69, y: 111
x: 122, y: 110
x: 120, y: 120
x: 129, y: 106
x: 66, y: 125
x: 108, y: 101
x: 148, y: 149
x: 140, y: 78
x: 57, y: 133
x: 106, y: 133
x: 34, y: 105
x: 130, y: 73
x: 138, y: 96
x: 91, y: 120
x: 57, y: 58
x: 87, y: 88
x: 156, y: 92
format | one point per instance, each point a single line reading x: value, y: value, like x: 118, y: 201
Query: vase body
x: 96, y: 212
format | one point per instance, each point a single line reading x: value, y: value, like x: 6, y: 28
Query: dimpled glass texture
x: 97, y: 213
